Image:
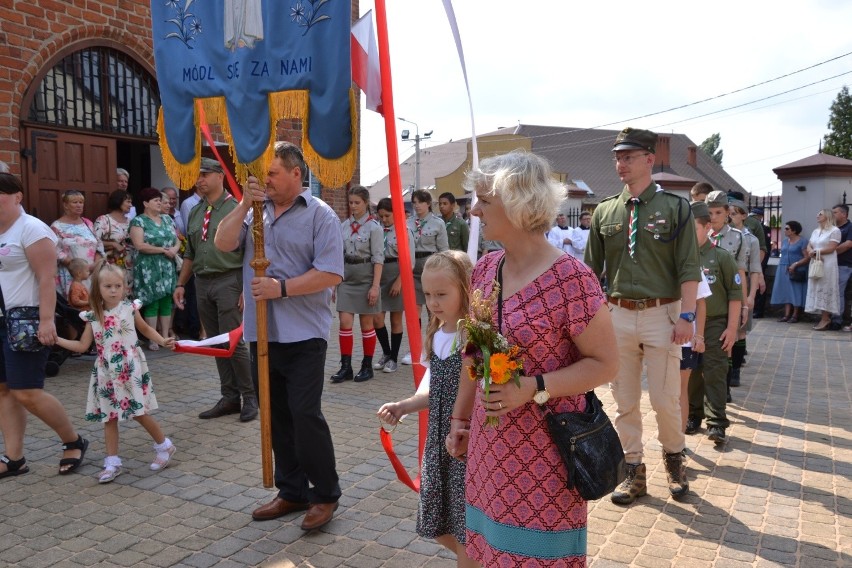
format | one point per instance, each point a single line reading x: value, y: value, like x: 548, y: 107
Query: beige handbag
x: 816, y: 270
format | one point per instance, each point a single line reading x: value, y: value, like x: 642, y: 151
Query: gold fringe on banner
x: 286, y: 104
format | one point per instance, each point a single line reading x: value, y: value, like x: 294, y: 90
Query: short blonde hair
x: 829, y: 218
x: 525, y: 184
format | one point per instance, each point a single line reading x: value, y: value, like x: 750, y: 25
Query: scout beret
x: 210, y: 165
x: 716, y: 199
x: 635, y: 139
x: 700, y: 209
x: 739, y: 205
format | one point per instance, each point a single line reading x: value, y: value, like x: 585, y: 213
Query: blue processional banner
x: 250, y: 63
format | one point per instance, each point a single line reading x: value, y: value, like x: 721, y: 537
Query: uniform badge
x: 711, y: 278
x: 737, y: 280
x: 618, y: 227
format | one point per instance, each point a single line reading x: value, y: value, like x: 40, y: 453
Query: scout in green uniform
x: 645, y: 239
x: 738, y: 212
x: 707, y: 384
x: 457, y: 230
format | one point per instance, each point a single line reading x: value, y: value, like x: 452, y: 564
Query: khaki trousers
x: 645, y: 336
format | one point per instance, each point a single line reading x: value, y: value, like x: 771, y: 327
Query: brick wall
x: 34, y: 34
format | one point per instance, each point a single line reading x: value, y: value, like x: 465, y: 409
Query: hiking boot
x: 693, y: 425
x: 676, y: 474
x: 632, y: 487
x: 366, y: 372
x: 345, y: 372
x: 735, y: 377
x: 717, y: 434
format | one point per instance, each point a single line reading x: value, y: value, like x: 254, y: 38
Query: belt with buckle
x: 355, y: 260
x: 423, y: 254
x: 640, y: 305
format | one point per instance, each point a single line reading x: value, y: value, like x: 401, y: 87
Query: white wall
x: 819, y: 193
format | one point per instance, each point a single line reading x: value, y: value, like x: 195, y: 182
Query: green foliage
x: 838, y: 142
x: 711, y: 148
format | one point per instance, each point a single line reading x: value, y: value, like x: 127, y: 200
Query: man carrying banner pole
x: 297, y: 292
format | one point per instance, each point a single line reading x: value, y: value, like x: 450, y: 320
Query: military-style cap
x: 757, y: 211
x: 635, y: 139
x: 699, y: 209
x: 739, y: 205
x: 716, y: 199
x: 210, y: 165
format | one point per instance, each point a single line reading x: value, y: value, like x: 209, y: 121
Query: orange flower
x: 471, y: 372
x: 502, y: 368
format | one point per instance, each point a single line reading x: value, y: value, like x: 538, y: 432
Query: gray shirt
x: 305, y: 236
x: 362, y: 238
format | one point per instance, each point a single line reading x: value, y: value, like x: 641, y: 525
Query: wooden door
x: 58, y: 161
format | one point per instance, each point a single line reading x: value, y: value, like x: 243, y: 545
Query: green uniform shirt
x: 206, y: 258
x: 720, y: 270
x: 457, y: 233
x: 754, y: 225
x: 666, y: 246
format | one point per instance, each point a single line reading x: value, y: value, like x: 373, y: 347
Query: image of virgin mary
x: 243, y: 23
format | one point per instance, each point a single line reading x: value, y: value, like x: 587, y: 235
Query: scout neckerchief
x: 385, y: 236
x: 634, y: 227
x: 206, y: 225
x: 418, y: 225
x: 356, y: 226
x: 716, y: 237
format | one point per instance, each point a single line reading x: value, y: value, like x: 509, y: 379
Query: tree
x: 838, y: 142
x: 711, y: 148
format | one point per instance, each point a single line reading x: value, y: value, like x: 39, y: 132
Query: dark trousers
x: 301, y: 440
x: 708, y: 387
x: 186, y: 320
x: 218, y: 306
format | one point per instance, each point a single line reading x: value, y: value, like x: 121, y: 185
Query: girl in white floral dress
x: 120, y: 387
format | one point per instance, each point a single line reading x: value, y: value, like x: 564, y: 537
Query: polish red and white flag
x: 365, y: 61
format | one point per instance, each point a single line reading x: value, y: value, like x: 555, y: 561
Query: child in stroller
x: 68, y: 325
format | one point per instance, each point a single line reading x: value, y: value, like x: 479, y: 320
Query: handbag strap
x: 500, y: 295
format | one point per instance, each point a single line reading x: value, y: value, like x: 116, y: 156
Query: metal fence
x: 772, y: 216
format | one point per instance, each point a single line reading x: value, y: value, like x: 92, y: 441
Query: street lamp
x: 417, y: 138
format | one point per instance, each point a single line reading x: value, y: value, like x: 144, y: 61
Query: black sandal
x: 14, y: 467
x: 81, y: 444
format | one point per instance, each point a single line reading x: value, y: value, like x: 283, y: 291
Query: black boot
x: 735, y: 377
x: 345, y: 372
x: 366, y: 372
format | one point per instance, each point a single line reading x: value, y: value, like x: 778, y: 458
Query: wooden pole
x: 260, y: 263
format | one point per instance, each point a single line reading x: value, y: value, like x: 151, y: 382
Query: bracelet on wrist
x: 698, y: 338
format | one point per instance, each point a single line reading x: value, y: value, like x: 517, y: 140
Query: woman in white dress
x: 823, y: 296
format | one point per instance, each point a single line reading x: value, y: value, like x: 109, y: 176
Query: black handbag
x: 800, y: 273
x: 22, y: 328
x: 590, y: 448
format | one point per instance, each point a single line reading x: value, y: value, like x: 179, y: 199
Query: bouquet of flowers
x: 494, y: 360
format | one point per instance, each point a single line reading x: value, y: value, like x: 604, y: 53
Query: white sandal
x: 109, y: 474
x: 159, y: 463
x: 153, y: 346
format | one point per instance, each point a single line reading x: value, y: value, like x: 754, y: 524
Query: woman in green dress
x: 154, y: 277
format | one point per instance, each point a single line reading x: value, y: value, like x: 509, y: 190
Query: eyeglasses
x: 629, y: 158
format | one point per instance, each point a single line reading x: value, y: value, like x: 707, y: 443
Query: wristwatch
x: 541, y: 395
x: 688, y: 316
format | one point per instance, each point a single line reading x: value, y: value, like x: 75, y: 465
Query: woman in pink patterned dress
x: 519, y: 511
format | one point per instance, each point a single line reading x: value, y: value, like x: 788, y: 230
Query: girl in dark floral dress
x: 441, y: 514
x: 120, y: 387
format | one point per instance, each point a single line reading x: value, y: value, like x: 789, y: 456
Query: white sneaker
x: 406, y: 359
x: 380, y: 364
x: 390, y: 366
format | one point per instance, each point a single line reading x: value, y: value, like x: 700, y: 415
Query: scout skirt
x: 418, y: 286
x: 352, y: 292
x: 390, y: 272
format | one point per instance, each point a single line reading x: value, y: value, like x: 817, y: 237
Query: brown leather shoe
x: 278, y: 507
x: 222, y: 408
x: 318, y: 515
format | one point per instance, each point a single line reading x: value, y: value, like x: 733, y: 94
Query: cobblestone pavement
x: 778, y: 494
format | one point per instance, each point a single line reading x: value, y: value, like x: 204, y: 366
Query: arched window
x: 98, y: 89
